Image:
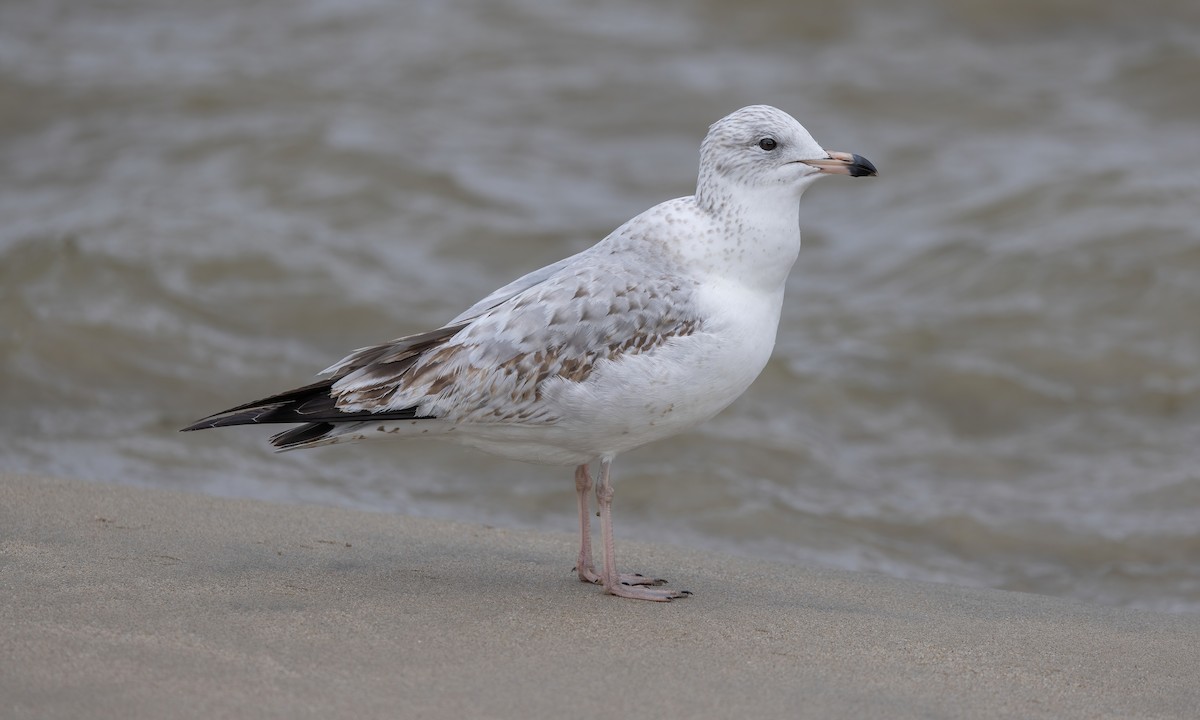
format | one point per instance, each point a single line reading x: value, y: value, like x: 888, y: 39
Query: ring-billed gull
x: 654, y: 329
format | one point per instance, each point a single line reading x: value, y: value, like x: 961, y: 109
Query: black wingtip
x: 202, y: 424
x: 254, y: 414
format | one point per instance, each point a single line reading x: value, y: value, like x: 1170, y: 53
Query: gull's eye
x: 768, y: 144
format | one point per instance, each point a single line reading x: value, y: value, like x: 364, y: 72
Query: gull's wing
x: 515, y: 288
x: 492, y: 362
x: 401, y: 349
x: 558, y: 322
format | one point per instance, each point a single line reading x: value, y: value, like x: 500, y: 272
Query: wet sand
x: 134, y: 603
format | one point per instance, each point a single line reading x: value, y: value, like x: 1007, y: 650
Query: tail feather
x: 301, y: 435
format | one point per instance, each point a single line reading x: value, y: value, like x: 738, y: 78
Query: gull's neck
x: 756, y: 234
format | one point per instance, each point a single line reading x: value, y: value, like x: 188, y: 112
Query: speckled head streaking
x: 761, y: 147
x: 652, y: 330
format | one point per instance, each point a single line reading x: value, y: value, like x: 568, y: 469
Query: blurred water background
x: 988, y: 370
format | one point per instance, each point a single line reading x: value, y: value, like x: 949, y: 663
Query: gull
x: 656, y: 328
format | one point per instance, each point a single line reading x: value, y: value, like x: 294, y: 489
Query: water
x: 988, y: 370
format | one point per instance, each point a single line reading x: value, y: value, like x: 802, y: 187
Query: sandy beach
x: 134, y: 603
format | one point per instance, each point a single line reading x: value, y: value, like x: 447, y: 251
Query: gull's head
x: 760, y: 147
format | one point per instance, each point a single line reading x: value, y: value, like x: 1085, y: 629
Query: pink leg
x: 614, y: 583
x: 584, y: 565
